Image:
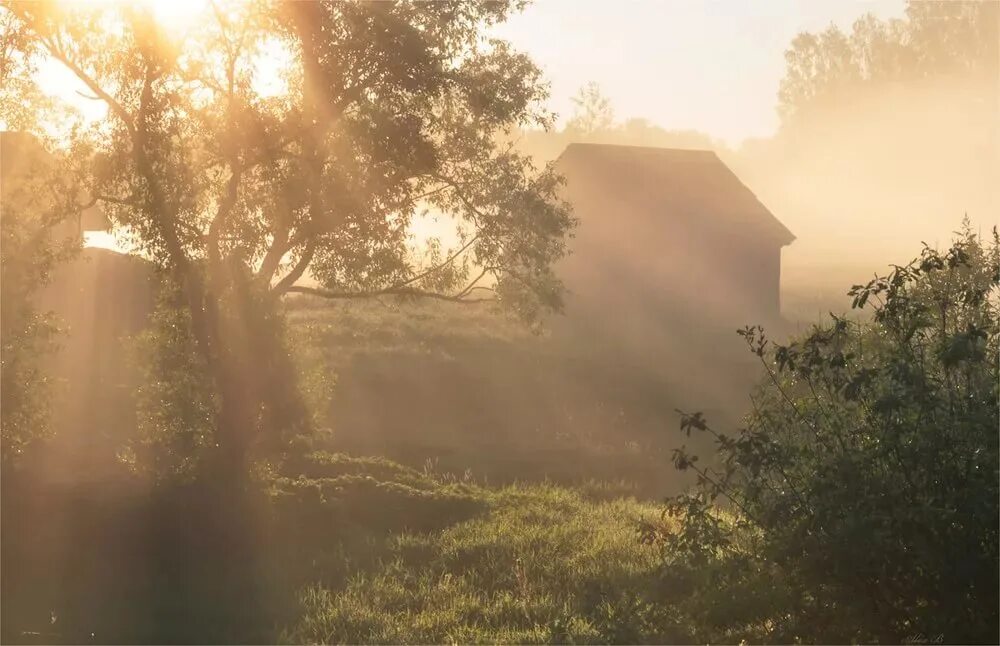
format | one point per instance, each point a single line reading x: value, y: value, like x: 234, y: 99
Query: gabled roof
x: 675, y: 182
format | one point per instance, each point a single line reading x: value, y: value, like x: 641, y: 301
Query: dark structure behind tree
x: 670, y: 235
x: 100, y: 300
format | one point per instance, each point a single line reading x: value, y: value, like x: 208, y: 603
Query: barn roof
x: 681, y: 183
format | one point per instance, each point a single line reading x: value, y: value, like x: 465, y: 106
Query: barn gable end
x: 669, y: 236
x: 677, y: 183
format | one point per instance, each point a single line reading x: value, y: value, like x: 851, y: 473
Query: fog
x: 873, y: 179
x: 895, y: 143
x: 397, y: 349
x: 862, y: 184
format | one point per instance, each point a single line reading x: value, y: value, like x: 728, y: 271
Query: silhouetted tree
x: 593, y: 112
x: 388, y: 108
x: 885, y: 128
x: 593, y: 121
x: 935, y: 39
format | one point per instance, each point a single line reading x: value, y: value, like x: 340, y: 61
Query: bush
x: 861, y: 500
x: 174, y: 403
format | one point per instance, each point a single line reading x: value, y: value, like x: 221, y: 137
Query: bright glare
x: 173, y: 15
x: 177, y: 15
x: 101, y: 240
x: 270, y: 62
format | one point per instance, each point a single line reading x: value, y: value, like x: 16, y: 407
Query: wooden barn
x: 669, y: 241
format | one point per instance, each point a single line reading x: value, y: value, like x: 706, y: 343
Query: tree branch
x: 431, y: 192
x: 390, y: 291
x: 129, y: 201
x: 272, y: 258
x: 476, y: 213
x: 288, y: 282
x: 89, y: 81
x: 441, y: 265
x: 225, y: 208
x: 472, y: 286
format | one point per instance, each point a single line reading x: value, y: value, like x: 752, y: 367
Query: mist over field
x: 390, y: 322
x: 900, y: 165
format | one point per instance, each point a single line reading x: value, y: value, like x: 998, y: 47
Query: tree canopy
x: 38, y: 194
x: 239, y: 177
x: 389, y: 108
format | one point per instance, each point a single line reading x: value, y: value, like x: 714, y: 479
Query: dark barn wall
x: 671, y: 237
x: 624, y: 262
x: 753, y: 270
x: 672, y: 255
x: 656, y: 299
x: 101, y: 300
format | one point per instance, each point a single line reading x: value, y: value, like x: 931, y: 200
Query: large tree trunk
x: 236, y: 423
x: 259, y: 404
x: 227, y: 557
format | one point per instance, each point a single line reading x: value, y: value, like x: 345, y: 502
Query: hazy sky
x: 709, y: 65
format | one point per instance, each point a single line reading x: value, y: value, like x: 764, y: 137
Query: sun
x: 173, y: 16
x: 270, y: 59
x: 177, y: 15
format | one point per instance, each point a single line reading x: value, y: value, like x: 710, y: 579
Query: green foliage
x: 38, y: 201
x: 317, y: 378
x: 474, y: 392
x: 23, y: 104
x: 540, y: 565
x: 174, y: 399
x: 26, y: 387
x: 370, y: 493
x: 388, y: 109
x: 860, y: 501
x: 178, y: 401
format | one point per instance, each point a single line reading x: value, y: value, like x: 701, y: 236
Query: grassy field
x: 463, y: 390
x: 528, y: 564
x: 471, y: 481
x: 506, y: 477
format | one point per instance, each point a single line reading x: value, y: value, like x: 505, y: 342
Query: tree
x: 593, y: 121
x: 387, y: 108
x: 934, y: 40
x: 888, y: 127
x: 860, y: 501
x: 37, y: 201
x: 593, y: 113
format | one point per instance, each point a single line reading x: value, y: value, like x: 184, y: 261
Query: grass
x: 539, y: 564
x: 512, y: 476
x: 476, y: 483
x: 468, y: 391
